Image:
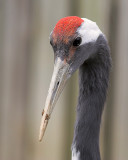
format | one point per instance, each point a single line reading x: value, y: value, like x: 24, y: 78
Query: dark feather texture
x: 93, y: 84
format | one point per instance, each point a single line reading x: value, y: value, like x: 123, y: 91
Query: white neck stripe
x: 75, y: 154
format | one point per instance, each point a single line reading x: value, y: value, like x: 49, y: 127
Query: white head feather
x: 89, y: 31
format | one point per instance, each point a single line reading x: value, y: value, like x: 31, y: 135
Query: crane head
x: 73, y: 41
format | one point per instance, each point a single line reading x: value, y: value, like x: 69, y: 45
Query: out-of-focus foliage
x: 26, y: 64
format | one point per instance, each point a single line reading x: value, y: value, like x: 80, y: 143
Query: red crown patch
x: 67, y: 26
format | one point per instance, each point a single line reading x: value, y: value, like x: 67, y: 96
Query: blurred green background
x: 26, y: 65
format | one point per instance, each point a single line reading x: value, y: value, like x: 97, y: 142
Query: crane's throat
x: 93, y: 84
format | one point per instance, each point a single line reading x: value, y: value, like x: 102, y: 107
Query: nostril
x: 58, y: 83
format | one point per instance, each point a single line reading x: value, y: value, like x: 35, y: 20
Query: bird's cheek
x: 68, y: 59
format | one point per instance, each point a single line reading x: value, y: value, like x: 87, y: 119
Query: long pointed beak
x: 59, y: 78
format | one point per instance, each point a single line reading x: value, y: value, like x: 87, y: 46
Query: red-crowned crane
x: 79, y: 43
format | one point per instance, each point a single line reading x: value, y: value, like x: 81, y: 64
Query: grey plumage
x: 79, y: 44
x: 93, y: 84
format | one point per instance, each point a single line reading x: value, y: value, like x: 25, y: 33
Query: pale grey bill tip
x: 59, y: 78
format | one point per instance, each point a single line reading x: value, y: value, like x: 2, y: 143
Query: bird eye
x: 77, y: 41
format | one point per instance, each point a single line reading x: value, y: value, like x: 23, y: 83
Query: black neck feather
x: 93, y: 84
